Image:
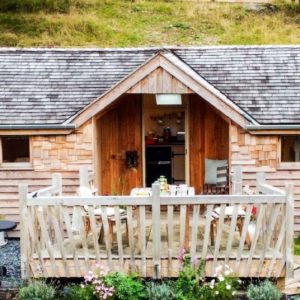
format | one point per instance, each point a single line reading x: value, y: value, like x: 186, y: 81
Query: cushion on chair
x: 211, y: 166
x: 222, y: 176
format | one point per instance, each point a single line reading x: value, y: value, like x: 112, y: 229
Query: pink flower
x: 180, y: 257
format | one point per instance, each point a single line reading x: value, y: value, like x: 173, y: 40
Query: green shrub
x: 163, y: 291
x: 126, y: 287
x: 266, y: 290
x: 37, y: 290
x: 191, y: 284
x: 78, y: 292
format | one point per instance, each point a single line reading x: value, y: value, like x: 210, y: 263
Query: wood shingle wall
x: 256, y: 153
x: 62, y: 153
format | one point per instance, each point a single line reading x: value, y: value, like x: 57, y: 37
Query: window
x: 15, y: 151
x: 290, y: 149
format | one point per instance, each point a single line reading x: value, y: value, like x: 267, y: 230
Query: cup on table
x: 191, y: 191
x: 172, y: 189
x: 182, y: 189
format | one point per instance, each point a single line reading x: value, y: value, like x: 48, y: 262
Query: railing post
x: 260, y: 179
x: 289, y: 237
x: 57, y: 183
x: 84, y: 176
x: 237, y: 181
x: 24, y: 239
x: 156, y: 235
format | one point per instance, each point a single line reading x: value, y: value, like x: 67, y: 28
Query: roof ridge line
x: 157, y: 48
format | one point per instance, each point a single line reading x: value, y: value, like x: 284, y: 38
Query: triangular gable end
x: 158, y: 82
x: 177, y: 72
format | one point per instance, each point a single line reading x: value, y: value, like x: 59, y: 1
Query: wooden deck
x: 158, y: 228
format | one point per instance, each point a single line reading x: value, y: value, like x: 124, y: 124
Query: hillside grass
x: 115, y: 23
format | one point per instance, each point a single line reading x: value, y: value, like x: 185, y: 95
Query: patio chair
x: 87, y: 192
x: 228, y: 216
x: 216, y: 177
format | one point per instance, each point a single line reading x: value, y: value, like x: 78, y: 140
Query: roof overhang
x: 277, y: 129
x: 182, y: 72
x: 37, y: 129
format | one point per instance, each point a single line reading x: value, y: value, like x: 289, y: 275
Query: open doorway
x: 165, y: 151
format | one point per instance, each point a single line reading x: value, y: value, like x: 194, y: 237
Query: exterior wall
x: 256, y: 153
x: 50, y: 154
x: 64, y: 152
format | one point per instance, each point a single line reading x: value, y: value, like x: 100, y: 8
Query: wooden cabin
x: 63, y: 108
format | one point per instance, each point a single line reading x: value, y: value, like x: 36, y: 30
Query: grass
x: 116, y: 23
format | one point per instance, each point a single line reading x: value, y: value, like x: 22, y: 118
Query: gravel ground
x: 10, y: 259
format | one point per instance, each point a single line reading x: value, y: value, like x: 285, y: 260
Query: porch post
x: 237, y: 181
x: 57, y: 183
x: 24, y: 237
x: 84, y: 176
x: 156, y: 229
x: 289, y: 235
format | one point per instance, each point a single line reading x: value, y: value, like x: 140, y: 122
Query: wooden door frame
x: 186, y: 142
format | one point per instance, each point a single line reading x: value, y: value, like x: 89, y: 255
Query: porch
x: 158, y: 228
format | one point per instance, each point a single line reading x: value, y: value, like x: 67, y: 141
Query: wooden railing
x: 145, y: 234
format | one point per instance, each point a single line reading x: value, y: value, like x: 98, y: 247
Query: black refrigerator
x: 158, y: 162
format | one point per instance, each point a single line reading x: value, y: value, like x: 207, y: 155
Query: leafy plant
x: 37, y: 290
x: 126, y: 287
x: 224, y: 285
x: 78, y: 292
x: 266, y: 290
x: 190, y: 283
x: 163, y: 291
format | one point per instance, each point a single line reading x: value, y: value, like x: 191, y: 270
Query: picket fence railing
x: 145, y: 234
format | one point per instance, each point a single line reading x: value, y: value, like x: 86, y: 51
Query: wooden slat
x: 170, y: 236
x: 277, y: 249
x: 131, y: 238
x: 231, y: 232
x: 119, y: 236
x: 107, y: 240
x: 143, y: 239
x: 219, y: 236
x: 269, y: 235
x: 36, y: 246
x: 93, y: 225
x: 59, y: 238
x: 243, y: 235
x: 72, y: 242
x: 182, y: 224
x: 258, y: 229
x: 45, y: 236
x: 195, y: 223
x: 208, y: 220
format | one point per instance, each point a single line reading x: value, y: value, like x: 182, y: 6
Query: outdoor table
x: 190, y: 191
x: 4, y: 227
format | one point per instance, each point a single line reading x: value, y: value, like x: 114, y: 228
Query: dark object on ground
x: 7, y: 225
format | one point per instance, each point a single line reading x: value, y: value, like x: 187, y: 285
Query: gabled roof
x: 50, y: 86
